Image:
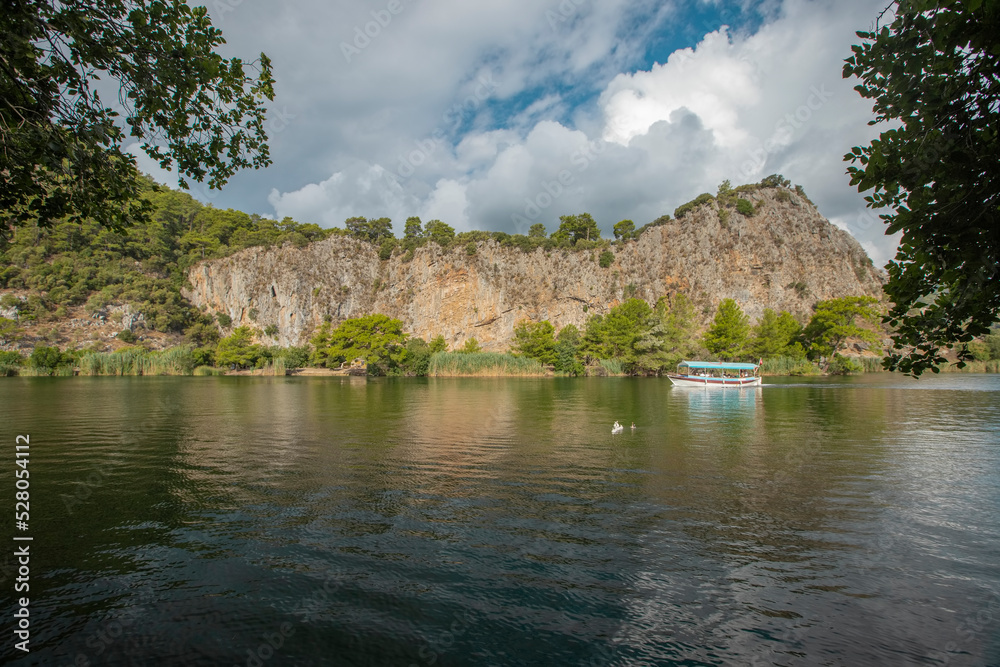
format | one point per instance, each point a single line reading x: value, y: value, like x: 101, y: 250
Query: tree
x: 418, y: 356
x: 535, y: 340
x: 62, y: 145
x: 439, y: 232
x: 438, y: 344
x: 729, y: 333
x: 377, y: 338
x: 836, y: 320
x: 567, y: 344
x: 9, y: 331
x: 775, y: 334
x: 671, y: 338
x: 575, y: 228
x: 614, y: 335
x: 413, y: 229
x: 238, y: 349
x: 471, y: 347
x: 624, y: 230
x: 933, y: 74
x: 537, y: 231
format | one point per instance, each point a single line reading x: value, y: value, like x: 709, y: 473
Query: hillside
x: 784, y: 256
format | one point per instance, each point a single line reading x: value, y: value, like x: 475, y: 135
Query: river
x: 353, y: 521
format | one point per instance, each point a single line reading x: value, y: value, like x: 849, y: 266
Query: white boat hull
x: 698, y: 381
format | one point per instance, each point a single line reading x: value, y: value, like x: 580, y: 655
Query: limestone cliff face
x: 786, y: 256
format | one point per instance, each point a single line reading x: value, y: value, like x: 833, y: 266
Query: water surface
x: 300, y: 521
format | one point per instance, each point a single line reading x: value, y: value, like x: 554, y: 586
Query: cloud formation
x: 496, y: 114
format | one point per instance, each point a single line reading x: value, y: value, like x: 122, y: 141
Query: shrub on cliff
x: 684, y: 209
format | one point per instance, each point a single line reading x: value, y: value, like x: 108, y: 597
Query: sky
x: 499, y: 114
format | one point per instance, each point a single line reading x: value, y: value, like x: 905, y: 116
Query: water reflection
x: 497, y: 522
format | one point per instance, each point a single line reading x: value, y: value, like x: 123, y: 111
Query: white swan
x: 617, y: 428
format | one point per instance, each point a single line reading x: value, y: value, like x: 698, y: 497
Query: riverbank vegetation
x: 632, y: 338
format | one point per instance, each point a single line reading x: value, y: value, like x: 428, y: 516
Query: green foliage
x: 471, y: 347
x: 271, y: 330
x: 566, y: 348
x: 9, y: 331
x: 292, y: 356
x: 470, y: 248
x: 797, y: 365
x: 63, y: 146
x: 576, y: 228
x: 438, y: 344
x: 126, y: 336
x: 775, y: 181
x: 670, y: 336
x: 606, y: 258
x: 535, y: 340
x: 238, y: 350
x: 439, y: 232
x: 614, y: 335
x: 624, y: 230
x: 932, y: 74
x: 74, y: 263
x: 377, y: 339
x: 979, y: 351
x: 537, y: 231
x: 374, y: 231
x: 413, y: 229
x: 483, y: 364
x: 46, y: 359
x: 418, y: 357
x: 775, y: 336
x: 993, y: 343
x: 836, y: 320
x: 684, y: 209
x: 744, y: 207
x: 729, y: 334
x: 841, y: 365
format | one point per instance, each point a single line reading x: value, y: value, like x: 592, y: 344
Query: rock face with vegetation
x: 781, y: 254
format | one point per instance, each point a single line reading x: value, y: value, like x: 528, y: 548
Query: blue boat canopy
x: 718, y: 365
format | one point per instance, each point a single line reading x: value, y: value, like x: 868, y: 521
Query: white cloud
x: 737, y: 106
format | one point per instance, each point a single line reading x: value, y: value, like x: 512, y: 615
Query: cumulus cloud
x: 568, y: 122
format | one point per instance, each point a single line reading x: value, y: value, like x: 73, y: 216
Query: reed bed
x: 483, y: 364
x: 789, y: 366
x: 137, y: 361
x: 612, y: 366
x: 992, y: 366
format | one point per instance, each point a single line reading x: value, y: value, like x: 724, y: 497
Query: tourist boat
x: 715, y: 374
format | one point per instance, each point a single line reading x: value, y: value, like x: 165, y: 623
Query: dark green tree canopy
x: 934, y: 74
x: 730, y: 331
x: 575, y: 228
x: 62, y: 145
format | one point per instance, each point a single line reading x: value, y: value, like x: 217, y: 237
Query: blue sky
x: 498, y: 114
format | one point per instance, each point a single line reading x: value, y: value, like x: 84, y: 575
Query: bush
x: 684, y: 209
x: 841, y: 365
x: 744, y: 207
x: 607, y: 257
x: 271, y: 330
x: 126, y: 336
x: 470, y: 248
x: 45, y: 358
x: 223, y: 319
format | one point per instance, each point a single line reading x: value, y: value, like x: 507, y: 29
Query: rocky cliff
x: 785, y: 256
